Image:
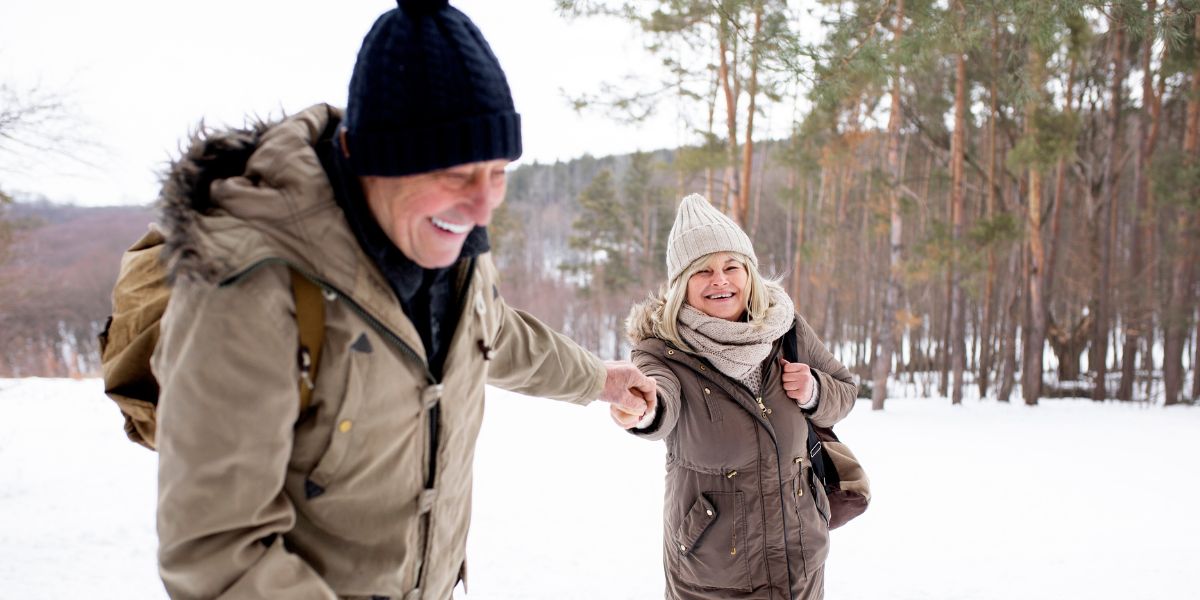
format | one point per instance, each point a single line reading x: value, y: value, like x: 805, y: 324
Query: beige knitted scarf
x: 735, y: 348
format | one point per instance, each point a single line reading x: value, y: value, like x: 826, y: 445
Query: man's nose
x: 482, y: 199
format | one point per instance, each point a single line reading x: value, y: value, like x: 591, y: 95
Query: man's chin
x: 439, y: 260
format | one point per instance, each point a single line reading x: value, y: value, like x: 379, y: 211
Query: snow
x: 1069, y: 499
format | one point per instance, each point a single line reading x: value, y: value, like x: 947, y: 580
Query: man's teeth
x: 451, y: 227
x: 720, y: 296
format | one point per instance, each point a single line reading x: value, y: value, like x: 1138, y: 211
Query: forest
x: 1003, y: 195
x: 978, y: 198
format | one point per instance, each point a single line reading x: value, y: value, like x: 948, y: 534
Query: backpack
x: 139, y: 300
x: 846, y: 484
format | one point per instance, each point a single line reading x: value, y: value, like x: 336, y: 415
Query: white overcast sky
x: 142, y: 72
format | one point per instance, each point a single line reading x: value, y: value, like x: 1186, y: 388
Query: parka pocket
x: 812, y: 510
x: 342, y: 430
x: 709, y: 544
x: 818, y: 495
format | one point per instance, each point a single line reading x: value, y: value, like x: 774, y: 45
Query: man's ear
x: 342, y: 142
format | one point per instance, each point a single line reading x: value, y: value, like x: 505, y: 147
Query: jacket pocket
x: 342, y: 431
x: 817, y: 493
x: 814, y: 519
x: 709, y: 544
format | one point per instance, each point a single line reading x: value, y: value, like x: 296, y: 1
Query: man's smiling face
x: 428, y: 215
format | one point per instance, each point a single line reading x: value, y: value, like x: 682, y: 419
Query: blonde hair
x: 758, y: 299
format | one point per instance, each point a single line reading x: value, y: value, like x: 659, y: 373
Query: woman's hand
x: 799, y: 384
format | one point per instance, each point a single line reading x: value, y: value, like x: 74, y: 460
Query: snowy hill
x: 1069, y: 500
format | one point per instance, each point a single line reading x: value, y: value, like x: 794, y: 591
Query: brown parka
x: 368, y: 493
x: 744, y: 516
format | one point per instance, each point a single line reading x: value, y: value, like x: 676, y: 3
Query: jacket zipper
x: 762, y: 408
x: 765, y: 412
x: 379, y: 328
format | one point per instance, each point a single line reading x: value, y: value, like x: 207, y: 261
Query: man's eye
x: 454, y: 178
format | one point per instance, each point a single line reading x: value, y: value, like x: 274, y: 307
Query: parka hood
x: 639, y: 325
x: 185, y: 195
x: 265, y: 176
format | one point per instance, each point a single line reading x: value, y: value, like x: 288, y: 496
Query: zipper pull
x: 766, y: 412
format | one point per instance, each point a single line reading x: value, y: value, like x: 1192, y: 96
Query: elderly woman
x: 744, y: 515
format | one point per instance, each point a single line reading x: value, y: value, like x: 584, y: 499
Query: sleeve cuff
x: 813, y: 398
x: 648, y: 419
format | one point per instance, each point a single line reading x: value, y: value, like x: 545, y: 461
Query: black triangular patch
x: 312, y: 490
x: 362, y: 344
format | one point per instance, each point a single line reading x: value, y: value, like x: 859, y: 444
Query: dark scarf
x: 428, y: 296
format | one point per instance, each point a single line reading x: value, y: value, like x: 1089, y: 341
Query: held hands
x: 631, y: 394
x: 798, y: 382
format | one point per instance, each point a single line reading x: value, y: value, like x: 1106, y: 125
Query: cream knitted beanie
x: 701, y: 229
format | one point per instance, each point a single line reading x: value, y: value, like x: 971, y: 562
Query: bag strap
x: 310, y: 318
x: 822, y: 464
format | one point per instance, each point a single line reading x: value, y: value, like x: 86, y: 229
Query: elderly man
x: 366, y: 492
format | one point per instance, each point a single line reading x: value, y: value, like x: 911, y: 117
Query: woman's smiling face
x: 718, y: 288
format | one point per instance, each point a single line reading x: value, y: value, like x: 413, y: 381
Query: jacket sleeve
x: 531, y: 358
x: 835, y: 383
x: 669, y: 400
x: 228, y: 402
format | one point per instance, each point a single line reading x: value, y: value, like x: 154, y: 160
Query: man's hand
x: 798, y: 382
x: 631, y: 393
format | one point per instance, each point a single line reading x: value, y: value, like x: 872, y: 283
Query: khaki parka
x: 744, y: 516
x: 357, y: 497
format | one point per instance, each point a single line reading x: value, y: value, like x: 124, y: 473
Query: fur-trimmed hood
x: 185, y: 195
x: 238, y: 194
x: 639, y: 325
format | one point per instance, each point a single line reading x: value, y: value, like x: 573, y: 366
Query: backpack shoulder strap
x: 310, y: 317
x: 790, y: 339
x: 821, y: 462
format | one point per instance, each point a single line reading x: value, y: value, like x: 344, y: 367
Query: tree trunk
x: 957, y: 154
x: 1108, y: 198
x: 1031, y: 385
x: 1137, y: 318
x: 709, y: 175
x: 798, y: 243
x: 743, y: 203
x: 727, y: 76
x: 887, y: 321
x: 1179, y: 308
x: 1196, y: 362
x: 944, y: 312
x: 985, y: 348
x: 1069, y: 346
x: 1008, y: 348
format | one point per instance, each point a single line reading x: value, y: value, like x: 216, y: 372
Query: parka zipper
x: 384, y: 332
x: 329, y: 289
x: 764, y: 412
x: 762, y: 408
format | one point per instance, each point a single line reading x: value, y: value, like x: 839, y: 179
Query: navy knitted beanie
x: 427, y: 93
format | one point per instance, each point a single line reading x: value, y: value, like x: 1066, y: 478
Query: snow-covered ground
x: 1068, y: 500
